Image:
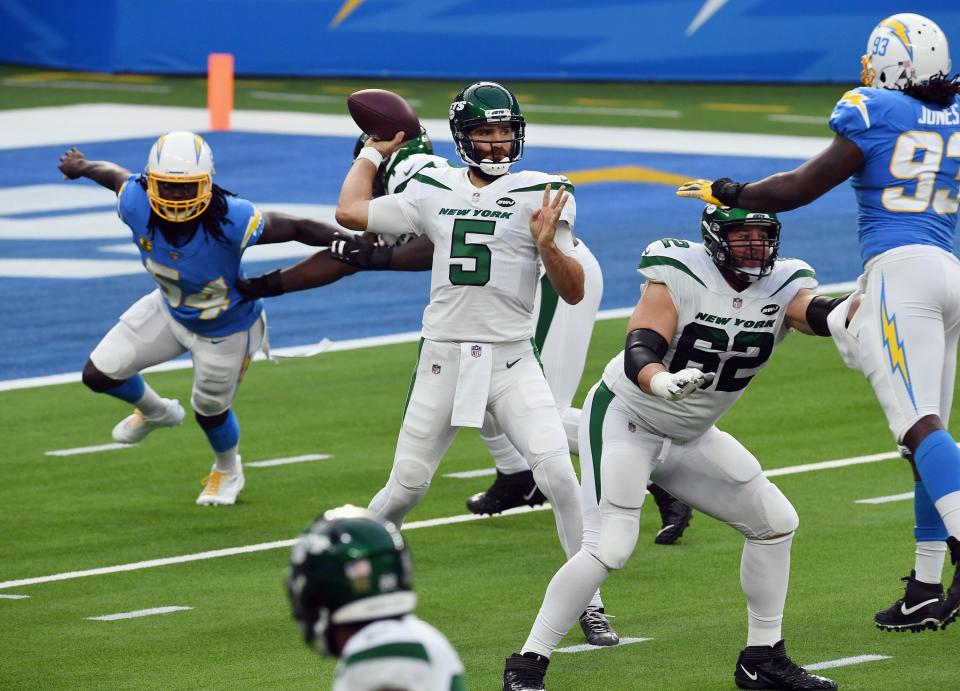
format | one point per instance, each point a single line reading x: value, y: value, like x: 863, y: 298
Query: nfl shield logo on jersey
x: 436, y: 368
x: 737, y: 303
x: 476, y: 351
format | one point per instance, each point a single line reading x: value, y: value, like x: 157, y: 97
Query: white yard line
x: 294, y: 351
x: 585, y: 647
x: 139, y: 613
x: 472, y: 473
x: 14, y: 597
x: 846, y: 661
x: 825, y: 465
x: 232, y: 551
x: 88, y: 449
x: 287, y: 461
x: 886, y: 500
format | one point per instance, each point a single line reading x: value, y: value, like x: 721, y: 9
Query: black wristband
x: 727, y: 191
x: 267, y: 285
x: 643, y: 346
x: 817, y: 312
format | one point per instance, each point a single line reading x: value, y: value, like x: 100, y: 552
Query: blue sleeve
x: 128, y: 198
x: 855, y: 114
x: 247, y: 223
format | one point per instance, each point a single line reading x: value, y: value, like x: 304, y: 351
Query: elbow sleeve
x: 643, y: 346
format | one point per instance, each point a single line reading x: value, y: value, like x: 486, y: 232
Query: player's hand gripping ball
x: 382, y: 114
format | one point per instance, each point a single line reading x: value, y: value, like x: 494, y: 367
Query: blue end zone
x: 51, y: 325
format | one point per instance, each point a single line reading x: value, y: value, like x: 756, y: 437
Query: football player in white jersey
x: 896, y: 140
x: 490, y: 230
x: 350, y: 586
x: 707, y: 321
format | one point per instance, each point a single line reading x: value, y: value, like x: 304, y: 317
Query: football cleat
x: 133, y: 428
x: 525, y: 672
x: 596, y: 627
x: 921, y: 607
x: 675, y: 516
x: 951, y: 605
x: 507, y: 492
x: 766, y: 667
x: 221, y: 488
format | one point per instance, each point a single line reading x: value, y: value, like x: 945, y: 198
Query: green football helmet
x: 348, y: 566
x: 717, y: 221
x: 486, y: 103
x: 419, y: 145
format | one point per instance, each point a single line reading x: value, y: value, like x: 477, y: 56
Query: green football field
x: 117, y: 531
x: 480, y: 582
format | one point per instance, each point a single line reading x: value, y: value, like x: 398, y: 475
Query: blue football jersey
x: 907, y: 188
x: 198, y: 278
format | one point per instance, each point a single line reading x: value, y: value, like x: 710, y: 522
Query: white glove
x: 679, y: 385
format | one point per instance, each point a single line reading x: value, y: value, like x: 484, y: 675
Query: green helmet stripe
x: 647, y: 262
x: 410, y: 649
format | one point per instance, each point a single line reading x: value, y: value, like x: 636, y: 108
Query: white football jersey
x: 405, y: 654
x: 398, y: 175
x: 719, y: 330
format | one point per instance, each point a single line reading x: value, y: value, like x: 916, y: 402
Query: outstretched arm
x: 280, y: 227
x: 807, y: 312
x: 783, y: 191
x: 73, y: 165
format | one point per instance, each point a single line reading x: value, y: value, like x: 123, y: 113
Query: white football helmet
x: 904, y: 49
x: 182, y: 158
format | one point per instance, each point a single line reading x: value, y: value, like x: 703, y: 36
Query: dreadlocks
x: 939, y: 90
x: 179, y: 234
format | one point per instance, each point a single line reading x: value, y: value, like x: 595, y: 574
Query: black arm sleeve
x: 643, y: 347
x: 817, y: 312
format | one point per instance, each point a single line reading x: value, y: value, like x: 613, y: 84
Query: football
x: 382, y: 114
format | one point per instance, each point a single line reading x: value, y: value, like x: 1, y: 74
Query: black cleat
x: 507, y: 492
x: 951, y: 605
x: 765, y: 667
x: 596, y: 627
x: 921, y: 607
x: 674, y: 515
x: 525, y: 672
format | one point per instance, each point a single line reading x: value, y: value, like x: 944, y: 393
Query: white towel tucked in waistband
x: 473, y: 385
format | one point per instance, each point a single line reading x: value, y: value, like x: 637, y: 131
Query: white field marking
x: 886, y: 500
x: 801, y: 119
x: 139, y: 613
x: 584, y: 647
x: 605, y: 110
x: 295, y: 351
x: 287, y: 461
x: 90, y: 86
x: 825, y: 465
x: 247, y: 549
x: 472, y: 473
x: 58, y: 197
x: 847, y: 661
x: 14, y: 597
x: 88, y: 449
x: 98, y: 122
x: 313, y: 98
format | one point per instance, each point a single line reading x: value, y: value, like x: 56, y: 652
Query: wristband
x: 369, y: 153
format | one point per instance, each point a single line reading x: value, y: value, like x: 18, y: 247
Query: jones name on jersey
x: 719, y: 329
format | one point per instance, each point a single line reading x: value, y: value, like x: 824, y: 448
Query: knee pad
x: 778, y: 517
x: 412, y: 474
x: 619, y: 530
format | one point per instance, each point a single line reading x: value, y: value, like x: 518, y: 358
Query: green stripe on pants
x: 602, y: 398
x: 548, y: 307
x: 413, y: 380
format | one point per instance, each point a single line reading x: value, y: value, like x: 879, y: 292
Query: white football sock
x: 764, y: 575
x: 567, y: 596
x: 150, y: 404
x: 929, y: 561
x: 227, y: 461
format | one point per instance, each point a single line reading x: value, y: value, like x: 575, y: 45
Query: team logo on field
x: 476, y: 351
x: 737, y: 303
x: 146, y: 244
x: 435, y: 369
x: 770, y: 309
x: 476, y: 197
x: 505, y: 202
